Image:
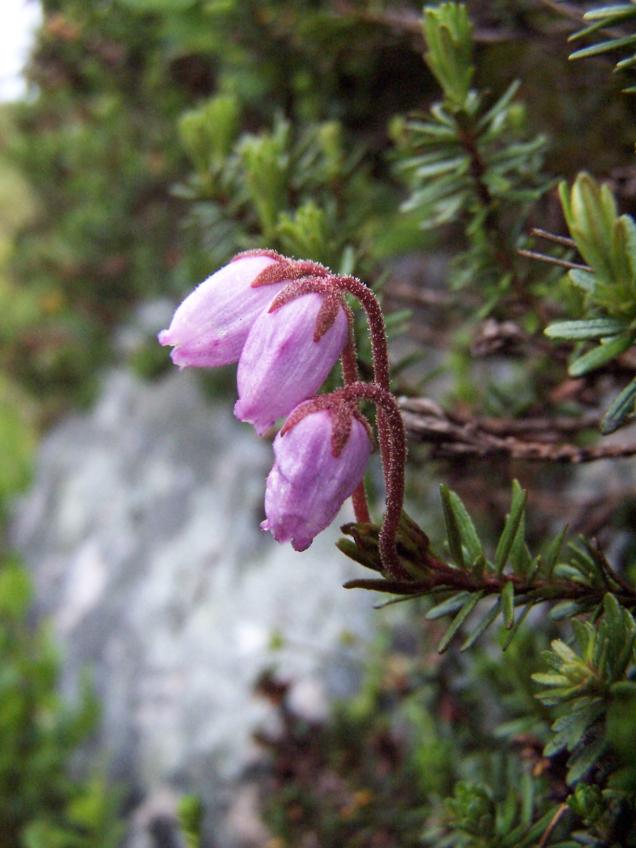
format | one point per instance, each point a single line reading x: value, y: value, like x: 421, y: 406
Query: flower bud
x: 308, y: 483
x: 283, y: 362
x: 211, y: 325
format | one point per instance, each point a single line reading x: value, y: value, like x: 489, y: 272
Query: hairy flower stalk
x: 394, y: 475
x: 380, y: 354
x: 350, y: 375
x: 327, y: 284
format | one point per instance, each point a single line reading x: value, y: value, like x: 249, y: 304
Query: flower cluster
x: 286, y: 323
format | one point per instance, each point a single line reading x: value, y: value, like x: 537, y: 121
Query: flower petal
x: 307, y: 484
x: 211, y: 325
x: 281, y: 364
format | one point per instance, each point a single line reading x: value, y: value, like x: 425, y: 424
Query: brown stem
x: 552, y: 260
x: 554, y: 821
x: 444, y: 577
x: 539, y: 232
x: 376, y: 326
x: 478, y: 171
x: 503, y: 254
x: 454, y: 436
x: 394, y: 475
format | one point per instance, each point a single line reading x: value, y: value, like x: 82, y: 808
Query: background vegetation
x: 160, y: 137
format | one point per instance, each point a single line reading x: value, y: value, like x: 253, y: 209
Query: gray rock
x: 141, y: 530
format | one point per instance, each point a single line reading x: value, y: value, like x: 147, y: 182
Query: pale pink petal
x: 308, y: 485
x: 281, y: 364
x: 211, y: 325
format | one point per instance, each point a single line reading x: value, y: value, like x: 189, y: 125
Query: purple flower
x: 308, y: 484
x: 287, y: 357
x: 211, y: 325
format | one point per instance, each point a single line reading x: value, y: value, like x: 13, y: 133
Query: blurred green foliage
x: 603, y: 23
x: 436, y: 751
x: 46, y: 799
x: 43, y: 804
x: 96, y: 148
x: 300, y: 191
x: 473, y: 159
x: 98, y: 143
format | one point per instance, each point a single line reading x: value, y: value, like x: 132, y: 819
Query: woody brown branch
x: 410, y: 23
x: 530, y: 439
x: 444, y: 577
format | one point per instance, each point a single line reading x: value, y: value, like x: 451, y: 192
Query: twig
x: 568, y: 10
x: 413, y: 294
x: 444, y: 577
x: 606, y: 568
x: 507, y: 426
x: 493, y: 336
x: 544, y: 234
x: 451, y: 436
x: 556, y: 818
x: 574, y: 13
x: 407, y: 21
x: 553, y: 260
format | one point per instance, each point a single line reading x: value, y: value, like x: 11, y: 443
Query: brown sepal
x: 258, y: 251
x: 287, y: 269
x: 332, y: 300
x: 341, y: 414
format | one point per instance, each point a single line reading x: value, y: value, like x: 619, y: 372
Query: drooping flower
x: 287, y: 356
x: 320, y: 460
x: 211, y: 325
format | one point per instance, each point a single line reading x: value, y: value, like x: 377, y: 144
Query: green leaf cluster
x: 301, y: 190
x: 42, y: 803
x: 523, y: 580
x: 609, y: 17
x: 475, y: 819
x: 477, y: 588
x: 471, y: 159
x: 448, y: 36
x: 607, y: 242
x: 581, y: 682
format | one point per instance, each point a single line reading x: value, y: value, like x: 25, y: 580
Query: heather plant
x: 306, y: 152
x: 471, y: 161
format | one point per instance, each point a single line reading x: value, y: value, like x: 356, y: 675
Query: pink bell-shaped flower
x: 314, y: 473
x: 211, y: 325
x: 287, y: 356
